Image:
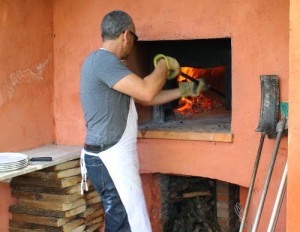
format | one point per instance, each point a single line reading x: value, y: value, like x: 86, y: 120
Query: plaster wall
x: 26, y: 81
x: 259, y: 33
x: 37, y: 58
x: 293, y: 188
x: 26, y: 74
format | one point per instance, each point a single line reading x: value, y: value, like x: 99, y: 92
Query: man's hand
x: 172, y: 65
x: 191, y: 88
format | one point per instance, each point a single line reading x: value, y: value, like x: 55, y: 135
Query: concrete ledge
x: 59, y: 154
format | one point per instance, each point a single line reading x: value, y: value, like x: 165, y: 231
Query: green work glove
x: 172, y: 65
x: 191, y: 88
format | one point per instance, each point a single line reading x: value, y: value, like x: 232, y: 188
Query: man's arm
x: 164, y: 96
x: 144, y: 89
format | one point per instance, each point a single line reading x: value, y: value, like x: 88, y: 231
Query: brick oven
x: 210, y: 113
x: 209, y: 59
x: 191, y: 203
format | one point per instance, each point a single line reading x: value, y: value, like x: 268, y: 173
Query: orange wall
x: 26, y: 74
x: 32, y: 63
x: 293, y: 189
x: 259, y: 32
x: 5, y: 202
x: 26, y: 81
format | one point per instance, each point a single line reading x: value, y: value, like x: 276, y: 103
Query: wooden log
x: 60, y: 183
x: 52, y: 205
x: 42, y: 189
x: 179, y: 187
x: 95, y: 214
x: 11, y: 229
x: 64, y: 198
x: 196, y: 194
x: 91, y: 194
x: 54, y: 175
x: 96, y: 206
x: 76, y: 224
x: 89, y: 211
x: 94, y: 200
x: 90, y: 185
x: 34, y: 219
x: 63, y: 166
x: 93, y: 227
x: 47, y: 212
x: 94, y: 221
x: 50, y: 200
x: 79, y: 229
x: 176, y: 197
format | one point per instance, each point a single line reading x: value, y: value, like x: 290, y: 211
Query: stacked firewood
x: 190, y: 205
x: 50, y: 200
x: 93, y: 215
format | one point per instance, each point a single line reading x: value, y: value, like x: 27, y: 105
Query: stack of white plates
x: 10, y: 161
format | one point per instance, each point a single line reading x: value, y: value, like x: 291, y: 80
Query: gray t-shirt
x: 105, y: 109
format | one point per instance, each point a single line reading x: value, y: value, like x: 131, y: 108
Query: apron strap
x: 84, y: 171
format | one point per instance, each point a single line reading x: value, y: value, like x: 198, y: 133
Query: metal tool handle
x: 250, y: 191
x: 278, y: 201
x: 280, y: 126
x: 189, y: 77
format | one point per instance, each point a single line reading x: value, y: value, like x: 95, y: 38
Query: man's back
x: 105, y: 110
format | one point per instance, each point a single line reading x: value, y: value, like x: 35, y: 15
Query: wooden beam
x: 186, y: 135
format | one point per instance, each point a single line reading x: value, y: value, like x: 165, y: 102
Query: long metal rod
x: 189, y: 77
x: 280, y: 126
x: 278, y: 201
x: 250, y: 191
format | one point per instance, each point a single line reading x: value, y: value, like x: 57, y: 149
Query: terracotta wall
x: 33, y: 64
x: 259, y: 33
x: 26, y: 81
x: 26, y: 74
x: 293, y: 189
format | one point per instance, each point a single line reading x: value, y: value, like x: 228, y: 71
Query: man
x: 107, y: 90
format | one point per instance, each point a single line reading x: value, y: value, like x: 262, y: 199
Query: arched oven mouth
x: 206, y: 59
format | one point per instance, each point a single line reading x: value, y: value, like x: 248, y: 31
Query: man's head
x: 115, y: 23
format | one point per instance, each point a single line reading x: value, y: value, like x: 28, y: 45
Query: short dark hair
x: 115, y: 23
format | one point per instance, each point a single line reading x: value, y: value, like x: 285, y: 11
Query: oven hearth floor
x: 209, y: 127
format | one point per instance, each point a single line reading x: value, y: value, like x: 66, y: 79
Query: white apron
x: 121, y: 161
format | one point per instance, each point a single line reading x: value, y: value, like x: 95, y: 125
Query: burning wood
x: 191, y: 106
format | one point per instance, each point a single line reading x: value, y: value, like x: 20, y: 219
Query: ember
x: 194, y: 105
x: 191, y: 106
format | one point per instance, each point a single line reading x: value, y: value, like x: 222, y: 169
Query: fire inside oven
x: 206, y: 59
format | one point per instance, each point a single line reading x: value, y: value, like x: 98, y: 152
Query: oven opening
x: 191, y: 203
x: 206, y: 59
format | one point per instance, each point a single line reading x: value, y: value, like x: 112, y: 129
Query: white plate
x: 13, y: 165
x: 11, y: 157
x: 12, y: 169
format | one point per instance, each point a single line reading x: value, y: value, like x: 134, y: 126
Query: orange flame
x: 192, y: 72
x: 187, y: 104
x: 196, y: 105
x: 201, y: 103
